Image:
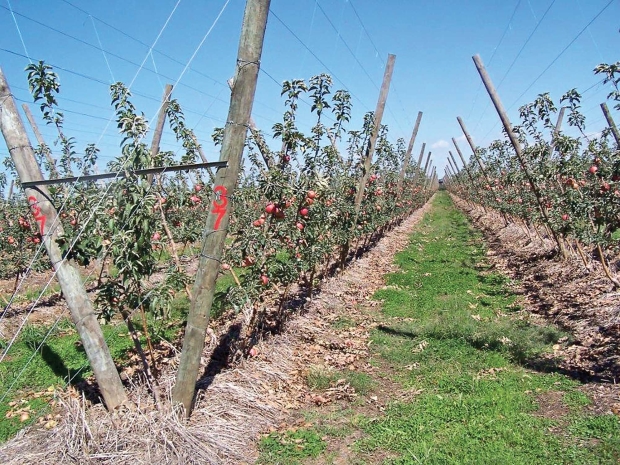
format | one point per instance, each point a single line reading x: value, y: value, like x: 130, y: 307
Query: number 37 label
x: 36, y: 212
x: 219, y: 205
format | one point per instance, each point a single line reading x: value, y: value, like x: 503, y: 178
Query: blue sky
x: 433, y: 42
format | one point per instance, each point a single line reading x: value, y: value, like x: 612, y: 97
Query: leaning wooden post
x: 446, y: 179
x: 458, y: 150
x: 470, y: 141
x: 454, y: 161
x: 429, y: 179
x: 370, y: 151
x: 159, y: 128
x: 421, y: 156
x: 458, y: 171
x: 556, y: 130
x: 401, y: 176
x: 427, y: 168
x: 428, y: 160
x: 454, y: 168
x: 41, y: 141
x: 10, y: 196
x: 611, y: 123
x: 458, y: 181
x: 235, y: 132
x: 488, y: 84
x: 45, y: 214
x: 419, y: 164
x: 258, y: 139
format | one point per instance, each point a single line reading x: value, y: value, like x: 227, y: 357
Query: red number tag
x: 219, y: 205
x: 36, y: 212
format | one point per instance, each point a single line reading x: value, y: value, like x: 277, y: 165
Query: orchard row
x: 293, y: 216
x: 569, y: 184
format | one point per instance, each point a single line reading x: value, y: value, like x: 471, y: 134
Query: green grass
x: 30, y: 294
x: 61, y: 357
x: 452, y: 332
x: 321, y: 378
x: 344, y: 322
x: 471, y: 356
x: 291, y: 447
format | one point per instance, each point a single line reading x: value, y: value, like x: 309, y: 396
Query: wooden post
x: 448, y: 171
x: 429, y: 179
x: 421, y: 156
x: 159, y: 129
x: 203, y: 157
x: 428, y: 159
x: 401, y: 176
x: 427, y: 168
x: 556, y: 130
x: 472, y: 145
x: 454, y: 161
x: 258, y: 139
x: 464, y: 167
x: 370, y: 151
x: 488, y: 84
x: 419, y: 164
x: 45, y: 214
x: 10, y: 196
x: 457, y: 166
x: 37, y: 134
x: 447, y: 181
x: 458, y: 150
x: 611, y: 122
x: 453, y: 166
x: 235, y: 132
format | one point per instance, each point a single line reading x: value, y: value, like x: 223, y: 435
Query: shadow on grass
x: 523, y: 344
x: 56, y: 364
x: 73, y: 377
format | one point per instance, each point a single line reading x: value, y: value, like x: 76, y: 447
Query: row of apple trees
x: 570, y: 184
x: 294, y: 215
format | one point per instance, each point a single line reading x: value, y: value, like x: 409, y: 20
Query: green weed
x: 321, y: 378
x: 290, y: 447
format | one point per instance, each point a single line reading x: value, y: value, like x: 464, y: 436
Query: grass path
x: 452, y: 336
